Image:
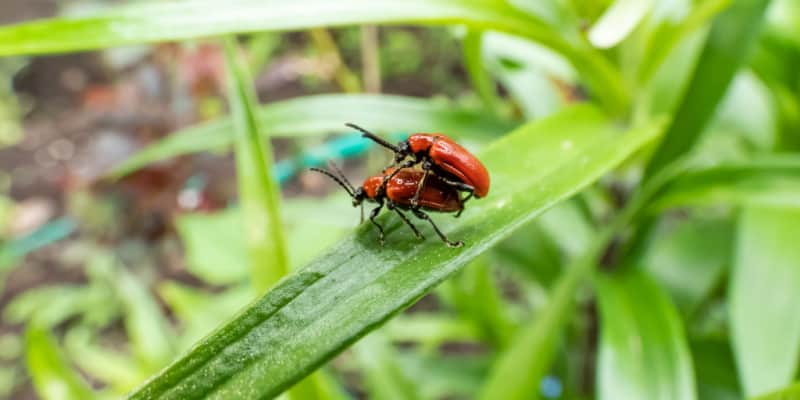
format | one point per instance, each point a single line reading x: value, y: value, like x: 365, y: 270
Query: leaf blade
x: 316, y: 312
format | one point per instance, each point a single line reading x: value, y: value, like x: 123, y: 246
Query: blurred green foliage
x: 639, y: 244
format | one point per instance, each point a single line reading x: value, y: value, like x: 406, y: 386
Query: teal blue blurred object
x: 343, y: 147
x: 48, y: 233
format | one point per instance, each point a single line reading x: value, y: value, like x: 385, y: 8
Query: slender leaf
x: 384, y: 378
x: 643, y: 352
x: 764, y: 293
x: 481, y: 81
x: 715, y: 369
x: 52, y: 376
x: 310, y: 115
x: 618, y: 22
x: 357, y: 285
x: 178, y: 20
x: 725, y: 50
x: 258, y: 191
x: 791, y: 392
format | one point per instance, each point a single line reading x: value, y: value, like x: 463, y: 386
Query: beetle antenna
x: 341, y: 175
x: 341, y: 183
x: 375, y: 138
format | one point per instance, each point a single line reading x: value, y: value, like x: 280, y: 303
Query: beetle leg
x: 463, y: 187
x: 372, y: 216
x: 426, y: 169
x: 422, y: 215
x: 410, y: 225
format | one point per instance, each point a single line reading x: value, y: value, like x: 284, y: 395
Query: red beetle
x: 397, y: 194
x: 435, y: 152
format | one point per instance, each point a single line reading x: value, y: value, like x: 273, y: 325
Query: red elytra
x: 453, y: 158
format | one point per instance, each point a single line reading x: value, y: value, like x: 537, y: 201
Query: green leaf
x: 357, y: 285
x: 384, y: 379
x: 726, y: 49
x: 445, y: 376
x: 148, y: 330
x: 643, y: 352
x: 215, y: 246
x: 791, y: 392
x: 481, y: 81
x: 259, y: 193
x: 715, y: 369
x: 618, y: 22
x: 109, y: 366
x: 766, y: 180
x: 52, y: 376
x: 764, y: 290
x: 689, y: 257
x: 313, y: 115
x: 180, y: 20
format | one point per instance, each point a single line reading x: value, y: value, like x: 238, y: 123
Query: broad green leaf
x: 259, y: 193
x: 764, y: 291
x: 643, y: 353
x: 384, y: 378
x: 357, y: 285
x: 791, y: 392
x: 52, y: 376
x: 313, y: 115
x: 726, y: 49
x: 179, y: 20
x: 689, y: 257
x: 618, y: 22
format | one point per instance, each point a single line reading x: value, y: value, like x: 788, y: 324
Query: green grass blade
x: 357, y: 285
x: 181, y: 20
x: 764, y: 292
x: 52, y: 376
x: 314, y: 115
x: 726, y: 49
x: 482, y: 83
x: 643, y: 351
x: 791, y: 392
x: 384, y: 377
x: 258, y: 191
x: 766, y: 180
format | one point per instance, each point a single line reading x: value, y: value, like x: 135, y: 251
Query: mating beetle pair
x: 446, y: 170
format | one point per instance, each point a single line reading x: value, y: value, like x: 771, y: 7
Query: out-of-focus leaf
x: 481, y: 81
x: 715, y: 370
x: 146, y: 325
x: 725, y: 50
x: 109, y: 366
x: 445, y: 375
x: 385, y: 380
x: 178, y: 20
x: 52, y: 376
x: 764, y: 291
x: 313, y: 115
x: 618, y: 21
x: 37, y: 305
x: 643, y: 352
x: 791, y: 392
x: 769, y: 180
x: 689, y: 257
x: 431, y: 330
x: 259, y: 192
x: 357, y: 285
x: 215, y: 248
x: 748, y: 110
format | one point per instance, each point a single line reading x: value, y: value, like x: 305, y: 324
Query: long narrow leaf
x: 643, y: 351
x: 258, y: 190
x: 357, y: 285
x: 179, y: 20
x: 314, y: 115
x: 52, y: 376
x: 764, y: 293
x: 726, y: 49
